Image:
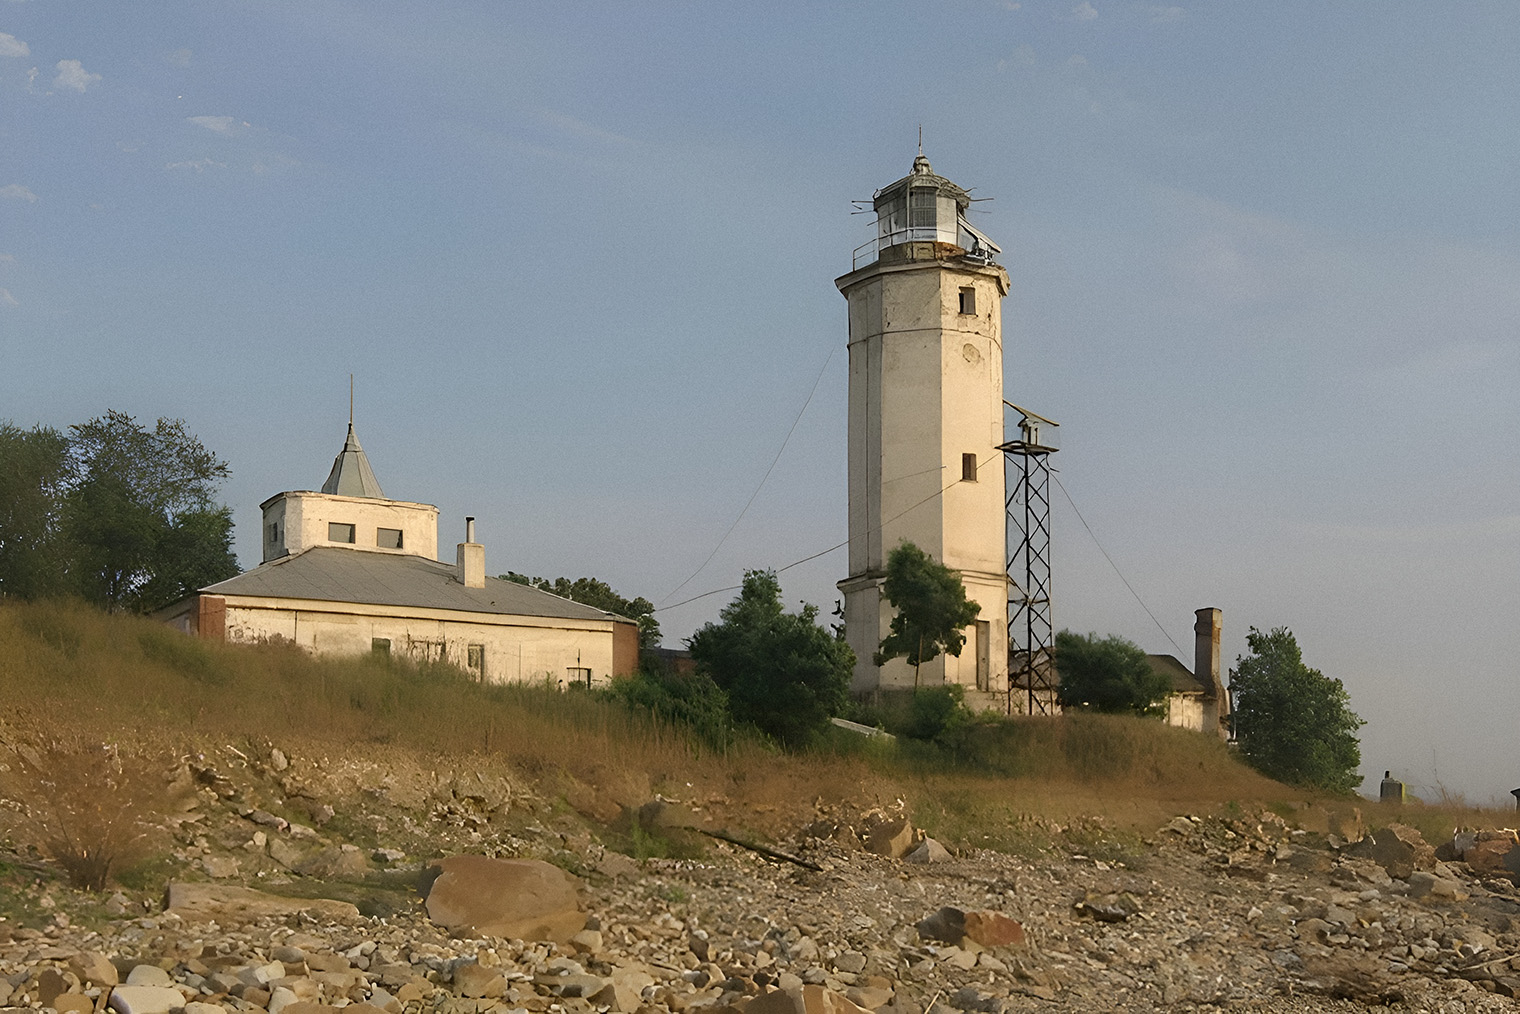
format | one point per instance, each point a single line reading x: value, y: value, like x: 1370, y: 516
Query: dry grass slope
x: 91, y: 685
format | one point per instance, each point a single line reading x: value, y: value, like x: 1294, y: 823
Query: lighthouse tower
x: 925, y: 422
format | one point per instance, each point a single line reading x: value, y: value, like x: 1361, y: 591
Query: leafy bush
x: 782, y: 672
x: 939, y: 715
x: 691, y: 699
x: 1108, y: 674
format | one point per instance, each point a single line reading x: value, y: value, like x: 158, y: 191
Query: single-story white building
x: 1198, y: 700
x: 347, y: 571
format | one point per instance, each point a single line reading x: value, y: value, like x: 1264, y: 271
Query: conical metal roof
x: 351, y: 474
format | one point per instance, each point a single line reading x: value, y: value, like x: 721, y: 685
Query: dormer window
x: 338, y: 532
x: 388, y: 538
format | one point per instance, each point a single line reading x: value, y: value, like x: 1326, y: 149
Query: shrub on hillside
x: 939, y: 715
x: 1108, y: 674
x: 89, y: 809
x: 782, y: 672
x: 689, y: 699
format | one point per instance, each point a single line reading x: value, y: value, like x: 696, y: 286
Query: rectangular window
x: 921, y: 208
x: 968, y: 300
x: 388, y: 538
x: 968, y: 468
x: 476, y: 660
x: 274, y: 533
x: 380, y: 646
x: 340, y: 533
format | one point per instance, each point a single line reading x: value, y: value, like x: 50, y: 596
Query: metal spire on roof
x: 351, y: 474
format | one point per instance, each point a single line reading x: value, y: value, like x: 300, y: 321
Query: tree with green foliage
x: 35, y: 474
x: 589, y: 591
x: 141, y: 518
x: 1293, y: 723
x: 1108, y: 674
x: 124, y: 516
x: 932, y: 609
x: 782, y: 672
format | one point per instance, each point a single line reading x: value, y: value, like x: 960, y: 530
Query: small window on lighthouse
x: 968, y: 468
x: 968, y: 300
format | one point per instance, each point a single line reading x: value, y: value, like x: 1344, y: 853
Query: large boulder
x: 993, y: 929
x: 521, y: 899
x: 1397, y: 848
x: 929, y: 851
x: 145, y: 999
x: 890, y: 835
x: 802, y: 1000
x: 227, y: 904
x: 948, y: 925
x: 1488, y: 853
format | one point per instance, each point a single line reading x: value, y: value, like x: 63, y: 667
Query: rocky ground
x: 1240, y: 913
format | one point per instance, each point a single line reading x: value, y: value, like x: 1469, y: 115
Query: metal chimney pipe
x: 469, y: 529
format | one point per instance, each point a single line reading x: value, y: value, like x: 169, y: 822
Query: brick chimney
x: 470, y: 570
x: 1216, y: 703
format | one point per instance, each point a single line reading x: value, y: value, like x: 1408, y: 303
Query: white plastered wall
x: 303, y: 518
x: 1185, y: 711
x: 926, y: 387
x: 518, y: 649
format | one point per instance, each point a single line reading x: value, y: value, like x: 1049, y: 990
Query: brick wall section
x: 625, y: 648
x: 211, y: 617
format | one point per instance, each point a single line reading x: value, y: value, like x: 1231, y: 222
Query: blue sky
x: 580, y: 258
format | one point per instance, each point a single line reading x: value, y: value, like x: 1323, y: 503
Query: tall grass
x: 114, y: 676
x: 112, y: 672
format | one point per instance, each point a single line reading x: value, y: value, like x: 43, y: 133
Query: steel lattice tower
x: 1031, y: 630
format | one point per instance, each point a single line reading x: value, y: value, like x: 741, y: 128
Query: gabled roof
x: 1183, y: 680
x: 351, y: 474
x: 332, y: 574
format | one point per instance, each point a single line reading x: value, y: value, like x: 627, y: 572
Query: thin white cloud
x: 1167, y: 15
x: 1076, y: 60
x: 220, y: 124
x: 16, y: 192
x: 1084, y: 11
x: 1022, y: 57
x: 580, y: 128
x: 6, y: 258
x: 71, y: 74
x: 200, y: 165
x: 6, y: 299
x: 180, y: 57
x: 12, y: 46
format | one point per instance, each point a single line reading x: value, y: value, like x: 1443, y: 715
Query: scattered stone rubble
x: 1241, y: 914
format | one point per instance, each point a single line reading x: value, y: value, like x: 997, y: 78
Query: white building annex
x: 347, y: 571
